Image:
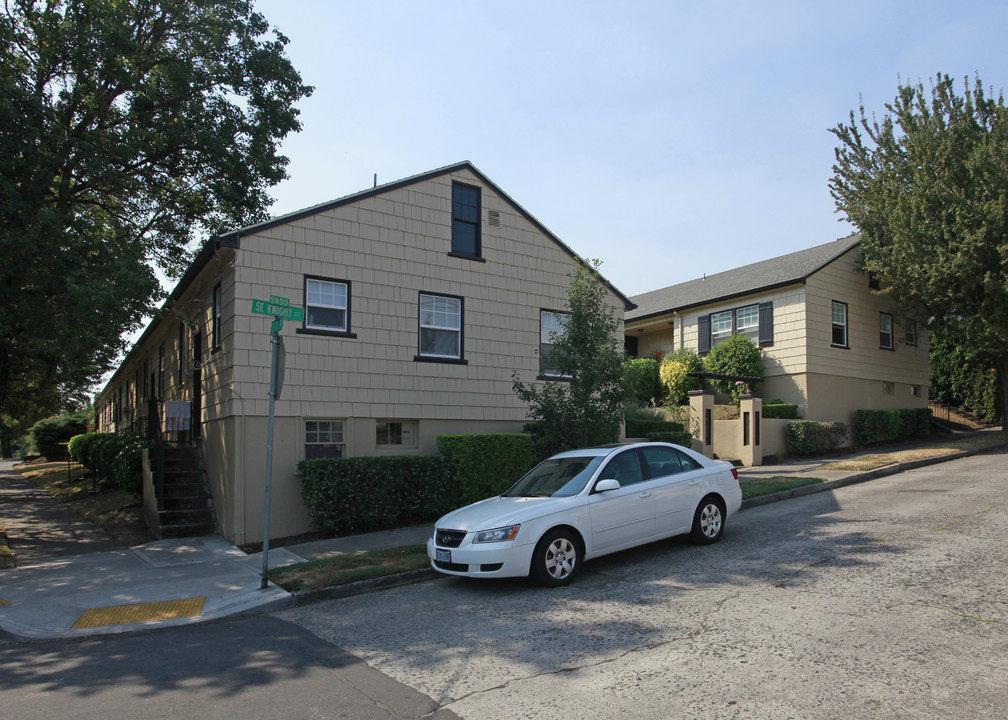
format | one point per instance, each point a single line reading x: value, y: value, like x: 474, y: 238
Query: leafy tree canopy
x: 587, y: 407
x: 128, y: 129
x: 927, y: 186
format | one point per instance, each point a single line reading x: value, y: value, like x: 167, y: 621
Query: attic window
x: 466, y: 221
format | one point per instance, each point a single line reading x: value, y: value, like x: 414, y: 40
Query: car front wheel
x: 557, y: 558
x: 708, y: 522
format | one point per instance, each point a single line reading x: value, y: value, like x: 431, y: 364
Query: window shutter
x: 766, y: 324
x: 703, y: 335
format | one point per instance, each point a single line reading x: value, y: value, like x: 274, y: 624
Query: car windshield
x: 556, y: 477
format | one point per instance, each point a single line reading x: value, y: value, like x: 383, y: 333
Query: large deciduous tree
x: 586, y: 406
x: 927, y: 186
x: 128, y: 129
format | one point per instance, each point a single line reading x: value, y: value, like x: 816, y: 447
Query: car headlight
x: 497, y: 534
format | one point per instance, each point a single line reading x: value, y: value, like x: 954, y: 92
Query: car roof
x: 605, y: 450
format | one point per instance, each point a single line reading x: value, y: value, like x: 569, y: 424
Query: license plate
x: 443, y: 555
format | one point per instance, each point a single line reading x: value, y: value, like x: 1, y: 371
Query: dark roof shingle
x: 757, y: 277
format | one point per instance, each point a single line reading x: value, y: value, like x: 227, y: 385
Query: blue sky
x: 668, y: 139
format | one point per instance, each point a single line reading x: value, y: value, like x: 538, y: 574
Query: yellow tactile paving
x: 3, y: 602
x: 140, y: 612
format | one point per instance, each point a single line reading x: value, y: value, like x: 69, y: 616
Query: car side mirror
x: 607, y: 484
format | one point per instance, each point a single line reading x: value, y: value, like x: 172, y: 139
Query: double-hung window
x: 885, y: 329
x: 466, y: 239
x: 911, y: 332
x: 327, y: 306
x: 753, y: 321
x: 839, y: 324
x: 215, y: 331
x: 440, y: 327
x: 551, y: 325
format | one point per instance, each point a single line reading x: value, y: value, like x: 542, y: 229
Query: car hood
x: 502, y: 511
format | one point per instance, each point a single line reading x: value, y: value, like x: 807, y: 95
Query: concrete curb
x: 335, y: 592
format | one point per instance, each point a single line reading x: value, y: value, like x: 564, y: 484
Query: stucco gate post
x: 751, y: 413
x: 701, y: 421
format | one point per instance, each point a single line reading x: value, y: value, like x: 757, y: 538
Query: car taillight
x: 734, y: 473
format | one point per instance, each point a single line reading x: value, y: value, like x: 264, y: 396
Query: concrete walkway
x: 73, y: 581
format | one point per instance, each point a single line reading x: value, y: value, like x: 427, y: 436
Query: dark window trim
x: 181, y: 353
x: 460, y: 360
x: 846, y: 345
x: 467, y: 256
x: 892, y: 332
x: 764, y: 326
x: 215, y: 328
x: 305, y: 330
x: 161, y: 371
x: 479, y: 221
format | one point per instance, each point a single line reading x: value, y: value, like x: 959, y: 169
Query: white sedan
x: 585, y: 503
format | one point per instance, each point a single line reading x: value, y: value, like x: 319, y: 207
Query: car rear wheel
x: 557, y: 558
x: 708, y: 521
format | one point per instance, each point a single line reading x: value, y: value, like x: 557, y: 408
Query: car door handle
x: 694, y: 483
x: 645, y: 494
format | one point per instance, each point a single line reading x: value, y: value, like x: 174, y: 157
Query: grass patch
x: 755, y: 488
x: 977, y: 441
x: 6, y: 554
x: 117, y: 512
x: 344, y: 569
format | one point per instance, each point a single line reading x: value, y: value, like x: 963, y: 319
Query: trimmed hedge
x: 643, y: 380
x: 808, y: 437
x: 679, y: 438
x: 484, y: 465
x: 637, y: 428
x: 112, y: 457
x: 878, y: 426
x: 783, y: 411
x: 360, y: 494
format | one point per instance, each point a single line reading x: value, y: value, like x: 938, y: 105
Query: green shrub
x: 679, y: 438
x: 674, y: 374
x: 780, y: 410
x: 485, y: 465
x: 360, y: 494
x: 878, y: 426
x: 638, y: 428
x: 643, y: 381
x: 49, y: 437
x: 808, y: 437
x: 126, y: 469
x: 738, y: 355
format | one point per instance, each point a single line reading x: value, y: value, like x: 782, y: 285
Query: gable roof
x: 232, y: 238
x: 761, y: 276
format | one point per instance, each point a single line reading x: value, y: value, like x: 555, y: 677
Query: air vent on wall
x: 493, y: 218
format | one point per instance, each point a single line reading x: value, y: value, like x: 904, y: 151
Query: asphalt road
x: 887, y: 599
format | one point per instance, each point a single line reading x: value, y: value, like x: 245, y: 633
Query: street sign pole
x: 274, y: 362
x: 280, y: 308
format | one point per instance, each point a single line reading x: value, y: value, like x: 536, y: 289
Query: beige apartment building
x: 421, y: 299
x: 831, y: 344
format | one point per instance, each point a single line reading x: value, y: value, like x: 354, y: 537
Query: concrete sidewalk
x: 60, y: 593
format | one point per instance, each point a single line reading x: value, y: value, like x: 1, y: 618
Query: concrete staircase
x: 187, y: 508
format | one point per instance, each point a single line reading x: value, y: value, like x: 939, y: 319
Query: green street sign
x: 278, y: 307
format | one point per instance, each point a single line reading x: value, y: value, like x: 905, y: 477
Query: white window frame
x: 720, y: 326
x: 551, y: 323
x: 750, y: 330
x: 911, y: 332
x: 442, y: 314
x: 316, y: 297
x: 334, y: 434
